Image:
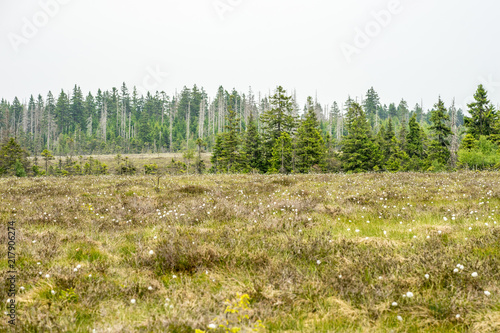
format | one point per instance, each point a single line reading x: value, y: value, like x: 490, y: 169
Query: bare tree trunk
x: 188, y: 118
x: 454, y: 138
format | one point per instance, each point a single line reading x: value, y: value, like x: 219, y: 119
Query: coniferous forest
x: 248, y: 132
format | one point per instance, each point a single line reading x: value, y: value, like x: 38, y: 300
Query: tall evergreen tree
x: 234, y: 158
x: 310, y: 144
x: 277, y: 120
x: 252, y: 145
x: 414, y: 146
x: 282, y: 155
x: 63, y: 113
x: 439, y: 150
x: 370, y: 104
x: 78, y: 116
x: 483, y: 115
x: 359, y: 151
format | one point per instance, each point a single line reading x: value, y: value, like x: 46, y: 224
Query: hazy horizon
x: 412, y: 50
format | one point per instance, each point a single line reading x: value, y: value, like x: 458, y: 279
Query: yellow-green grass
x: 289, y: 242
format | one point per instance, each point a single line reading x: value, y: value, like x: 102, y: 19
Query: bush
x: 484, y: 155
x: 19, y: 169
x: 150, y: 169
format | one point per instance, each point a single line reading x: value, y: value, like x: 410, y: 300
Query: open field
x: 162, y: 160
x: 314, y: 253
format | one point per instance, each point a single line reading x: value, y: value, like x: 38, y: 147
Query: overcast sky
x: 404, y: 49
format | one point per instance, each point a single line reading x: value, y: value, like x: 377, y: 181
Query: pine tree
x: 414, y: 146
x: 47, y: 156
x: 234, y: 158
x: 218, y: 154
x: 227, y: 156
x: 78, y: 116
x: 63, y: 113
x: 393, y: 111
x: 370, y: 104
x: 439, y: 152
x: 310, y: 144
x: 252, y: 145
x: 483, y: 115
x: 403, y: 111
x: 359, y: 152
x: 468, y: 142
x: 282, y: 155
x: 393, y: 157
x: 403, y: 133
x: 11, y: 153
x: 277, y: 120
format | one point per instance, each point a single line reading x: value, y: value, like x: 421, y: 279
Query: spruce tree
x: 218, y: 154
x: 234, y: 159
x: 282, y: 155
x: 468, y: 142
x: 63, y: 113
x: 78, y: 116
x: 370, y: 104
x: 483, y: 115
x: 359, y: 151
x: 252, y: 145
x: 11, y: 153
x: 414, y: 148
x: 277, y: 120
x: 310, y: 144
x: 393, y: 157
x: 439, y: 152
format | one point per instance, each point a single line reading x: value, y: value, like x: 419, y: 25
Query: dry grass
x: 309, y: 250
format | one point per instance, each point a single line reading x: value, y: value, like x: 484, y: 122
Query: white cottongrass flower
x: 439, y: 232
x: 487, y: 293
x: 427, y: 276
x: 132, y: 301
x: 47, y: 276
x: 455, y: 270
x: 318, y: 262
x: 151, y: 252
x: 400, y: 318
x: 75, y: 269
x: 21, y: 288
x: 212, y: 326
x: 409, y: 294
x: 457, y: 316
x: 174, y: 276
x: 79, y: 266
x: 394, y: 304
x: 150, y: 288
x: 474, y: 274
x: 52, y: 292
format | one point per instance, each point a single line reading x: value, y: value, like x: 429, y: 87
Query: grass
x: 314, y: 253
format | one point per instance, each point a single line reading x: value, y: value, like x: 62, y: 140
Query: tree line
x: 267, y: 134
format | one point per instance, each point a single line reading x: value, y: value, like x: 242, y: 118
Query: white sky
x: 429, y: 48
